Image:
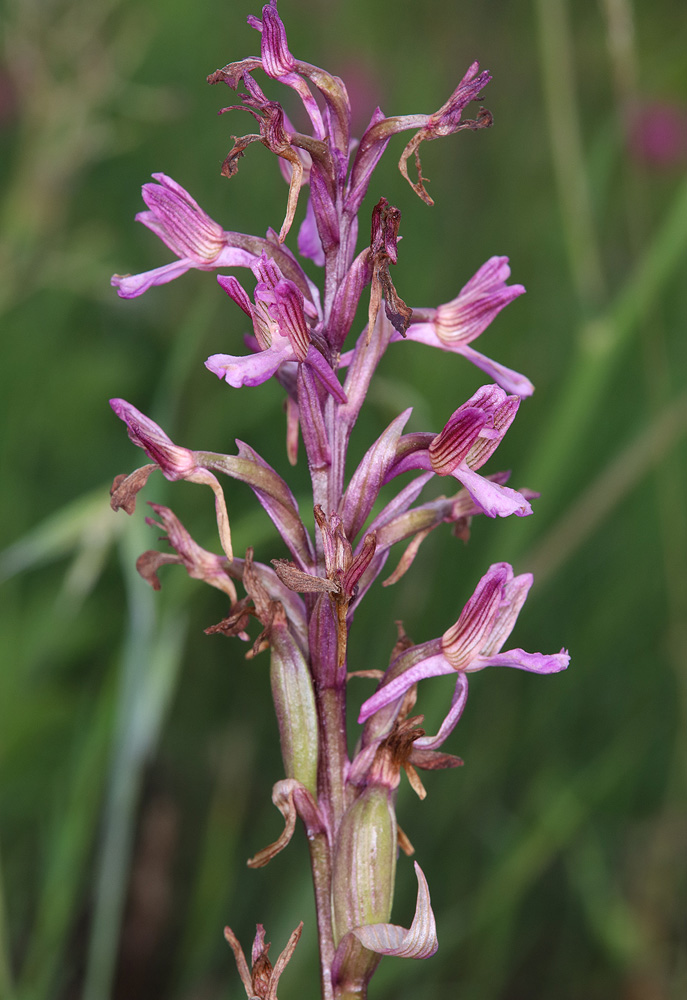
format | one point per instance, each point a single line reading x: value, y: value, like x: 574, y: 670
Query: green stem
x: 320, y: 860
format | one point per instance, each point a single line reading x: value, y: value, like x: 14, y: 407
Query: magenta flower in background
x: 658, y: 134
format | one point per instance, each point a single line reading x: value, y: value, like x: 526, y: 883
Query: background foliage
x: 137, y: 754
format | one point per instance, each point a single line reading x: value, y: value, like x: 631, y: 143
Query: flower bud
x: 294, y: 702
x: 365, y: 862
x: 363, y: 877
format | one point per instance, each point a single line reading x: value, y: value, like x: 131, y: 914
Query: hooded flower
x: 188, y: 231
x: 473, y: 432
x: 281, y: 329
x: 454, y: 325
x: 473, y: 643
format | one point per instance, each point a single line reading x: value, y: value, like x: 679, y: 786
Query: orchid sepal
x: 418, y: 941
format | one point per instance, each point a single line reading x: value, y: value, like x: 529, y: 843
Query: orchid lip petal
x: 493, y: 499
x: 250, y: 369
x: 129, y: 286
x: 536, y: 663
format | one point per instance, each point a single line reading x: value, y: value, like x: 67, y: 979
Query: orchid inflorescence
x: 306, y: 603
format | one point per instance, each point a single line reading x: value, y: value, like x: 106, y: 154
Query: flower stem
x: 320, y: 861
x: 333, y: 754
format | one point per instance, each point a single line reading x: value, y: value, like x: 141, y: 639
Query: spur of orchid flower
x: 300, y: 332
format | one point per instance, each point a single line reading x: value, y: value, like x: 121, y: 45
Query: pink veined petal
x: 494, y: 500
x: 477, y: 304
x: 129, y: 286
x: 419, y: 941
x: 493, y: 273
x: 455, y: 442
x: 166, y: 181
x: 276, y: 59
x: 179, y: 221
x: 141, y: 428
x: 186, y: 232
x: 460, y: 697
x: 287, y: 309
x: 503, y: 414
x: 464, y: 640
x: 278, y: 62
x: 267, y: 270
x: 514, y: 596
x: 535, y: 663
x: 250, y: 369
x: 237, y: 292
x: 432, y: 666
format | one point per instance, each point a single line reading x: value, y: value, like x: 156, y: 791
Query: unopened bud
x: 294, y: 702
x: 362, y: 884
x: 365, y: 862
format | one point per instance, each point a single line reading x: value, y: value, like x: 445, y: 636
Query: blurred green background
x: 137, y: 755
